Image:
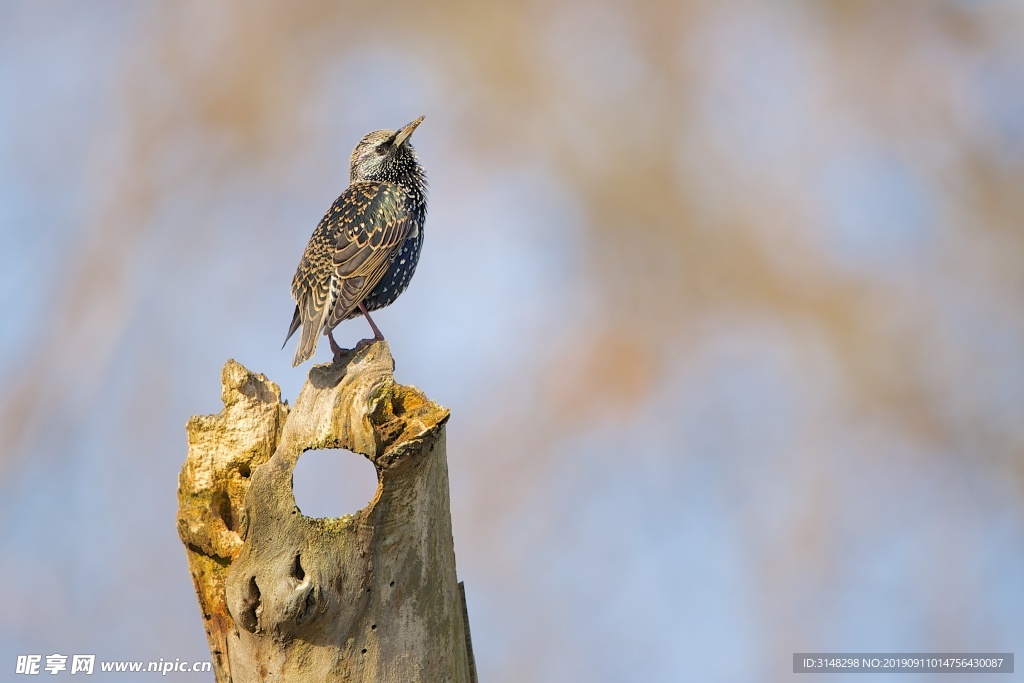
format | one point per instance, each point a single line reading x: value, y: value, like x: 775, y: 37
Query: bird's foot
x: 366, y: 342
x: 335, y: 349
x: 339, y: 352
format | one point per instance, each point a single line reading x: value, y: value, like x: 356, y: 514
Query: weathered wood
x: 371, y: 596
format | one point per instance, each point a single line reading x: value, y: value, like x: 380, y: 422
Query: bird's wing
x: 313, y: 289
x: 373, y: 222
x: 347, y: 256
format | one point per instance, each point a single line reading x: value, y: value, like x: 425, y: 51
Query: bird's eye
x: 381, y: 149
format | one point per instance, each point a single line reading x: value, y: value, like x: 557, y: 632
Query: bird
x: 364, y: 251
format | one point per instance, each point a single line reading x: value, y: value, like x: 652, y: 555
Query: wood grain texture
x: 371, y: 596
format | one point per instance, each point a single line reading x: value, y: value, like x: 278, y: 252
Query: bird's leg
x: 377, y: 336
x: 337, y: 350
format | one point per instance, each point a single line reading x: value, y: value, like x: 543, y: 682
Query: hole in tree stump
x: 333, y: 482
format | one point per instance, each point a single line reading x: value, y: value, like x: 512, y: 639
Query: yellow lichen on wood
x: 224, y: 450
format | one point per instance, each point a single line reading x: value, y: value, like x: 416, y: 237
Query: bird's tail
x: 296, y: 321
x: 307, y: 338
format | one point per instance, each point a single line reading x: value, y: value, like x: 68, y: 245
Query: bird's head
x: 385, y: 155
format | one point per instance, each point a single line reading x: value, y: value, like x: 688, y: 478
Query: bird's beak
x: 405, y: 131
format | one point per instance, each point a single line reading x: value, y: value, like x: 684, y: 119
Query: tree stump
x: 371, y: 596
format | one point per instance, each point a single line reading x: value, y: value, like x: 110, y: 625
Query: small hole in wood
x: 364, y: 650
x: 373, y: 627
x: 333, y: 482
x: 243, y: 469
x: 392, y: 584
x: 222, y: 508
x: 297, y: 571
x: 250, y: 607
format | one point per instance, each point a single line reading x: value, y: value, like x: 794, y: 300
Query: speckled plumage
x: 365, y: 249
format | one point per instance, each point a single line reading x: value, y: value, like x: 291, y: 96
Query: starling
x: 365, y: 250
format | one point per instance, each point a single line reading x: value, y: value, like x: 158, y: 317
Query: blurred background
x: 725, y: 299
